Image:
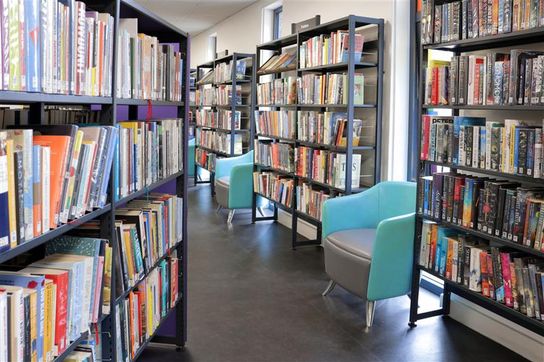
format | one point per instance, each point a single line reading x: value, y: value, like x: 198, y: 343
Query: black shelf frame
x: 150, y: 24
x: 232, y: 106
x: 350, y: 23
x: 513, y: 39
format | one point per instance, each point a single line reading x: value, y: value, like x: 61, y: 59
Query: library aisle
x: 252, y: 298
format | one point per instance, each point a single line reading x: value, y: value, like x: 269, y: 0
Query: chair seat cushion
x: 358, y: 242
x: 225, y: 180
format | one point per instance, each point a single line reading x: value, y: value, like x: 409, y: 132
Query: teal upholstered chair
x: 368, y: 241
x: 234, y: 183
x: 191, y: 158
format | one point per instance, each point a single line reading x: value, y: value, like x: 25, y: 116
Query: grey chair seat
x: 348, y: 256
x: 222, y: 191
x: 358, y: 242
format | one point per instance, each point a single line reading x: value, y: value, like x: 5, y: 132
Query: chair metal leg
x: 329, y: 289
x: 370, y: 308
x: 260, y: 209
x: 231, y: 216
x: 219, y: 207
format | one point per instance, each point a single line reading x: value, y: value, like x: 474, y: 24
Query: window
x: 277, y: 22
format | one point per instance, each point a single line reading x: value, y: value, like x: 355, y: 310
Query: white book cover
x: 475, y: 146
x: 46, y: 186
x: 4, y: 323
x: 85, y: 179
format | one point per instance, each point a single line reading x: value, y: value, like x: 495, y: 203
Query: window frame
x: 276, y: 22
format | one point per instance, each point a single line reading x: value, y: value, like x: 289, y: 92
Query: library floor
x: 253, y: 299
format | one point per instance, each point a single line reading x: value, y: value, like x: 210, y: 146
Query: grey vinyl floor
x: 251, y: 298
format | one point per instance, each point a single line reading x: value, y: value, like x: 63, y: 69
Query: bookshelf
x: 369, y: 112
x: 150, y: 24
x: 528, y: 38
x: 235, y: 125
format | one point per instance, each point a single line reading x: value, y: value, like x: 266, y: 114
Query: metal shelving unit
x: 513, y: 39
x: 349, y: 23
x: 166, y: 33
x: 233, y: 106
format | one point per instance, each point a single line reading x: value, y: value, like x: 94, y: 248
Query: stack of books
x: 495, y: 78
x: 148, y: 152
x: 145, y: 68
x: 468, y: 19
x: 329, y: 49
x: 205, y: 159
x: 51, y: 176
x: 278, y: 91
x: 310, y: 200
x: 327, y: 167
x: 276, y: 123
x: 499, y: 208
x: 145, y: 307
x: 56, y: 47
x: 205, y: 96
x: 219, y: 141
x: 51, y: 302
x: 329, y: 88
x: 146, y: 231
x: 328, y: 128
x: 223, y: 71
x: 223, y: 95
x: 511, y: 146
x: 275, y: 154
x: 279, y: 63
x: 224, y: 119
x: 276, y: 187
x: 510, y: 278
x: 206, y: 117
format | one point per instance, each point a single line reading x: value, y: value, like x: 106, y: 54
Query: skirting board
x: 303, y: 228
x: 520, y: 340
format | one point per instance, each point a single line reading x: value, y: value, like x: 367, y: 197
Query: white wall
x: 242, y: 32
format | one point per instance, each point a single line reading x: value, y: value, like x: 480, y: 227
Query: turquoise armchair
x: 234, y: 183
x: 191, y: 158
x: 368, y: 241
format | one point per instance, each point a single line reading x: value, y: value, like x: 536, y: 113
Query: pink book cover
x: 98, y: 289
x: 507, y: 279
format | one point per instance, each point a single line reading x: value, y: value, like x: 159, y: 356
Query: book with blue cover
x: 458, y: 122
x: 4, y: 200
x: 33, y: 44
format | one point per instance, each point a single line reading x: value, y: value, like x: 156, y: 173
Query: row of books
x: 275, y: 154
x: 143, y: 310
x: 146, y: 230
x: 510, y: 278
x: 223, y: 71
x: 82, y: 354
x: 468, y: 19
x: 51, y: 302
x: 145, y: 68
x: 56, y: 47
x: 278, y: 91
x: 329, y: 88
x: 329, y: 128
x: 148, y: 152
x: 512, y: 146
x: 276, y: 187
x: 276, y: 123
x: 221, y: 96
x: 490, y: 79
x: 219, y: 141
x: 327, y: 167
x: 310, y: 200
x: 206, y: 78
x: 51, y: 177
x: 205, y: 159
x: 279, y: 63
x: 17, y: 115
x: 221, y: 118
x: 499, y: 208
x: 330, y: 48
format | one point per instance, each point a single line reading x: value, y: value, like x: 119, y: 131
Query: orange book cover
x: 449, y: 257
x: 59, y: 146
x: 484, y: 274
x: 133, y: 347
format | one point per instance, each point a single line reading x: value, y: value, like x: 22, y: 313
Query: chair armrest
x: 392, y: 258
x: 350, y: 212
x: 223, y: 166
x: 241, y: 186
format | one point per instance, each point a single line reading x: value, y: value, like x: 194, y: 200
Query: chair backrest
x: 396, y: 198
x: 246, y: 158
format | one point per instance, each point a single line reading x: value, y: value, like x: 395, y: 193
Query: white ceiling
x: 195, y: 16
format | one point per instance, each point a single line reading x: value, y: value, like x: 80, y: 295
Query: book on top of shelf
x: 330, y: 48
x: 280, y: 62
